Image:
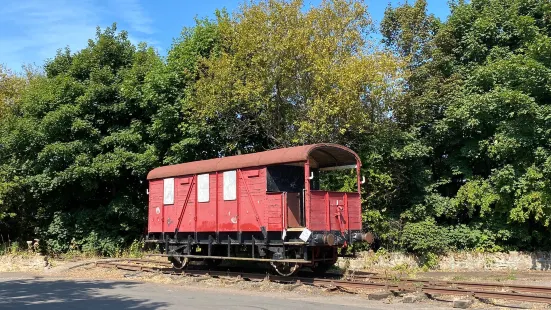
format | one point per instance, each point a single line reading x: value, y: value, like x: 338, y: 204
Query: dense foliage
x: 451, y: 119
x: 477, y: 100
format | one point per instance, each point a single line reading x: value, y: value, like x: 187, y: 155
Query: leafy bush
x: 136, y: 249
x: 429, y: 237
x: 429, y: 261
x: 425, y: 237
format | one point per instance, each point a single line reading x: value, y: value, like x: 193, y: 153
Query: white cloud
x: 133, y: 13
x: 32, y: 30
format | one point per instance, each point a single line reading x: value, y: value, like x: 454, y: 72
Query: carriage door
x: 289, y: 180
x: 294, y: 214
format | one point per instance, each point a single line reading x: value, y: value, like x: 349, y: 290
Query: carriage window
x: 230, y: 185
x: 285, y: 178
x: 203, y: 188
x: 168, y: 195
x: 335, y: 179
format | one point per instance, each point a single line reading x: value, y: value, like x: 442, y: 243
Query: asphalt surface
x: 24, y: 292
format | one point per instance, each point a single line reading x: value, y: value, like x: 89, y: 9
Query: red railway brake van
x: 264, y: 206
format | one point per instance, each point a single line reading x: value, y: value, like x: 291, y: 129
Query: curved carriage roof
x: 326, y: 155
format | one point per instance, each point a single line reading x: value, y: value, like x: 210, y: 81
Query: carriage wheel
x: 178, y: 262
x: 285, y: 269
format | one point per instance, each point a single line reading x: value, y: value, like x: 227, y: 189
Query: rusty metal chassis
x: 257, y: 244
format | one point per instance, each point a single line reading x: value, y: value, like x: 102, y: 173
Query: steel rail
x: 425, y: 286
x: 488, y: 294
x: 461, y: 284
x: 250, y: 276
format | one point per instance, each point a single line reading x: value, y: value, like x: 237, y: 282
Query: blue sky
x: 32, y: 30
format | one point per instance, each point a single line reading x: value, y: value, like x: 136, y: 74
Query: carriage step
x: 296, y: 229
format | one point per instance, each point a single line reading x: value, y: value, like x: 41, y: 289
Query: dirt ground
x: 22, y: 263
x: 85, y: 269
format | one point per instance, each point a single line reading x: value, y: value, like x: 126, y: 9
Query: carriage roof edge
x: 325, y: 154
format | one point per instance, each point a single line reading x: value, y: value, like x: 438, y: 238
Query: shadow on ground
x: 67, y: 294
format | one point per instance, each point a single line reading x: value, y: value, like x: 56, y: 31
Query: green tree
x: 185, y: 136
x: 76, y: 155
x: 11, y: 89
x: 286, y: 76
x: 479, y: 102
x: 282, y: 76
x: 409, y: 31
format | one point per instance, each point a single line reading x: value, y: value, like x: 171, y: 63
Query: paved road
x: 48, y: 294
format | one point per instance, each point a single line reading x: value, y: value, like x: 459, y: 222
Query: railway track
x: 455, y: 284
x: 360, y: 281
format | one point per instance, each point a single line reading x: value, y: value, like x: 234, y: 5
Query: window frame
x: 168, y: 191
x: 203, y: 188
x: 229, y: 177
